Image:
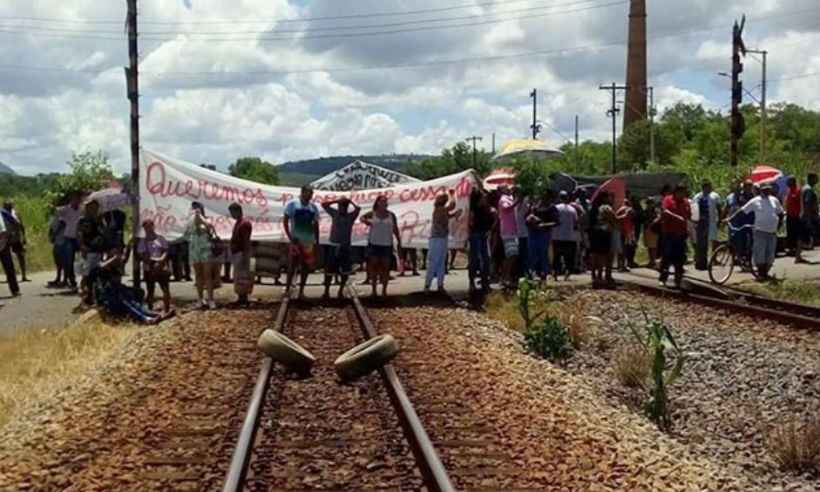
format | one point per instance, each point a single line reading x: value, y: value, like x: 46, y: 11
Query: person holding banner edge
x: 301, y: 224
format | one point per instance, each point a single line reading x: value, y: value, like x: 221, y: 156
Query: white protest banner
x: 168, y: 186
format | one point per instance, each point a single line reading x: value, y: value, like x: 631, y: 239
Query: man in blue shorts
x: 301, y: 223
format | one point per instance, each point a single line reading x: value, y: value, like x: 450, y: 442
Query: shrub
x: 656, y: 339
x: 549, y: 339
x: 796, y: 446
x: 632, y: 367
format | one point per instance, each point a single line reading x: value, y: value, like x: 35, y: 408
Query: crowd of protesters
x: 510, y: 236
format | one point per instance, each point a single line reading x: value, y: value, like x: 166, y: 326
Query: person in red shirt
x: 794, y: 209
x: 675, y: 218
x: 241, y: 252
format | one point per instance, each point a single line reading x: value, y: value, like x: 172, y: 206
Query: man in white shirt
x: 565, y: 237
x: 768, y: 219
x: 710, y: 208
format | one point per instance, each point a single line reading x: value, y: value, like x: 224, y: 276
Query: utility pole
x: 652, y: 124
x: 763, y: 114
x: 493, y: 143
x: 576, y: 143
x: 536, y: 128
x: 738, y: 123
x: 613, y: 113
x: 132, y: 84
x: 475, y: 139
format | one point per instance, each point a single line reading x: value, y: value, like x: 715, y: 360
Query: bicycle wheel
x: 721, y: 264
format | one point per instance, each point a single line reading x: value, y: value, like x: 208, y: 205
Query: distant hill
x: 4, y: 169
x: 317, y: 168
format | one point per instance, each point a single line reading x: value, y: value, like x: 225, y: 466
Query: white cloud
x: 308, y: 96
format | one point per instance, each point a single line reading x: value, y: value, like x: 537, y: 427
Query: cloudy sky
x: 301, y: 79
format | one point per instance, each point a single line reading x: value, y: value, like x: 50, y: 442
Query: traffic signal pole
x: 738, y: 123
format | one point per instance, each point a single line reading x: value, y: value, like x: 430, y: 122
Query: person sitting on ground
x: 17, y: 237
x: 768, y: 220
x: 152, y: 252
x: 338, y: 258
x: 675, y: 219
x: 301, y: 224
x: 241, y: 251
x: 116, y: 298
x: 384, y: 228
x: 444, y: 209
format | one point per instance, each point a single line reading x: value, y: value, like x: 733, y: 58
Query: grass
x: 799, y: 291
x: 504, y: 308
x: 37, y: 363
x: 796, y: 445
x: 632, y: 366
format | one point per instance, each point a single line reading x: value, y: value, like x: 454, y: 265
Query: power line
x: 108, y: 36
x: 147, y: 20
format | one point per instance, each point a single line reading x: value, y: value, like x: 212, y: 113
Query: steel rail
x: 235, y: 479
x: 427, y: 458
x: 789, y: 313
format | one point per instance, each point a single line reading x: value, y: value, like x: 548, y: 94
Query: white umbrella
x: 111, y: 199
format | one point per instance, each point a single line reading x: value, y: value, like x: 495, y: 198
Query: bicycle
x: 725, y: 257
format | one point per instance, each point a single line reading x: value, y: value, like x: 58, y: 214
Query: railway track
x: 798, y: 315
x: 315, y: 433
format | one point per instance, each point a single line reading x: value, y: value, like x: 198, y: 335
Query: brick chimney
x: 636, y: 94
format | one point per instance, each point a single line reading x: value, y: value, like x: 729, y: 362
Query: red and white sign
x: 168, y: 186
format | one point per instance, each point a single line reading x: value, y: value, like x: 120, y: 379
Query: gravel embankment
x: 743, y: 376
x: 162, y: 415
x: 562, y: 434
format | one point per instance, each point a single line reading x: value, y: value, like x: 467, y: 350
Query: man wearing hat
x: 768, y: 219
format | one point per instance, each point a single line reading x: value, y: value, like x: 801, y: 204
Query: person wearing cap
x: 768, y: 220
x: 675, y: 216
x: 564, y: 237
x: 152, y: 252
x: 92, y: 247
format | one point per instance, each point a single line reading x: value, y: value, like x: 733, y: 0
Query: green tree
x: 90, y: 171
x: 255, y: 169
x: 451, y: 161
